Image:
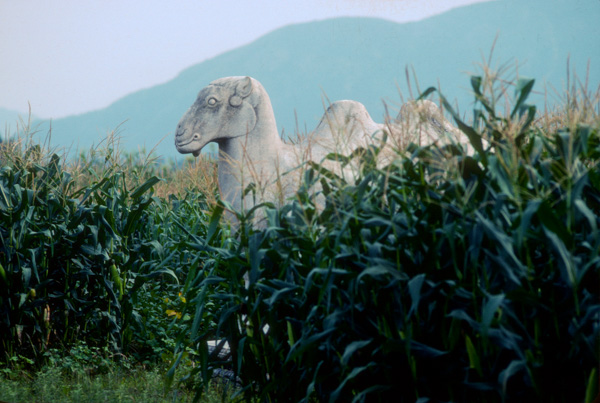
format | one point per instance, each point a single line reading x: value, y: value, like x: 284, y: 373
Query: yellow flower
x: 182, y: 298
x: 171, y: 312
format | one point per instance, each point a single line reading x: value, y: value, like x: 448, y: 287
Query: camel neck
x: 244, y: 157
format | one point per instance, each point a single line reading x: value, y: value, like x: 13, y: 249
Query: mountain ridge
x: 364, y: 59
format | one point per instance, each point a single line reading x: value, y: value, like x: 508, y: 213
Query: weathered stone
x: 236, y: 113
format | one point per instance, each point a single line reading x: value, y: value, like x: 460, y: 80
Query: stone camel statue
x: 236, y: 113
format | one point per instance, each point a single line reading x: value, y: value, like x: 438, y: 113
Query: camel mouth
x: 180, y: 144
x: 189, y: 145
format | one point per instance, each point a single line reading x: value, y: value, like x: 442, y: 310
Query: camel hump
x: 345, y: 126
x: 345, y: 112
x: 348, y: 116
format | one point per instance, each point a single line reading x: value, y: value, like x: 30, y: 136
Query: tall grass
x: 441, y: 277
x: 82, y: 241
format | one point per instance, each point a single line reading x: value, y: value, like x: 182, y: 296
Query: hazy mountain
x: 366, y: 60
x: 9, y: 120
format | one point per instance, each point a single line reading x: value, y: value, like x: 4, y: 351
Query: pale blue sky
x: 66, y: 57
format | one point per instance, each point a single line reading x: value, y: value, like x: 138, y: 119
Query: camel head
x: 223, y: 110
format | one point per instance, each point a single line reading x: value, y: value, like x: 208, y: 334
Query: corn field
x: 443, y: 276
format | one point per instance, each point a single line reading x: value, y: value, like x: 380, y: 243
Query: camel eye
x: 212, y: 101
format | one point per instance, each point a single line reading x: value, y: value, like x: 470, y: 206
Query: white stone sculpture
x: 236, y: 113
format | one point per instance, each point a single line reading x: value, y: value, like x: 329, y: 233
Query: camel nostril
x: 180, y: 131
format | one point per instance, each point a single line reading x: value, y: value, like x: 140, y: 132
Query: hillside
x: 9, y: 120
x: 366, y: 60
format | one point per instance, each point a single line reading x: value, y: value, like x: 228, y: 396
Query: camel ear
x: 244, y: 87
x: 242, y: 90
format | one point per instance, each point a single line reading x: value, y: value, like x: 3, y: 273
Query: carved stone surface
x: 236, y: 113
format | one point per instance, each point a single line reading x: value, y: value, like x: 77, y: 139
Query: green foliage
x: 74, y: 261
x: 81, y: 359
x: 87, y: 374
x: 159, y: 304
x: 51, y: 384
x: 441, y: 277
